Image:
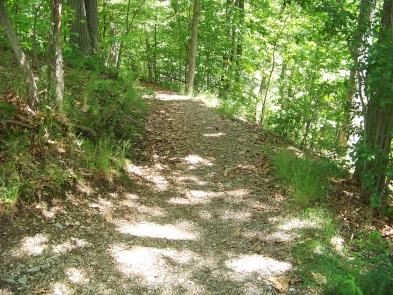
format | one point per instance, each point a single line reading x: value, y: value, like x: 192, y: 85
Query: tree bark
x: 57, y: 6
x: 374, y: 172
x: 193, y: 48
x: 31, y: 87
x: 91, y: 7
x: 85, y: 25
x: 343, y: 137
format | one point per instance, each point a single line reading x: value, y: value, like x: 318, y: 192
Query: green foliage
x: 112, y: 108
x: 10, y: 184
x: 98, y: 155
x: 363, y: 266
x: 306, y: 177
x: 7, y: 111
x: 228, y: 109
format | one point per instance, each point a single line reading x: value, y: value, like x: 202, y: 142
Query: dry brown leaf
x: 237, y: 234
x: 319, y: 278
x: 108, y: 216
x: 280, y: 283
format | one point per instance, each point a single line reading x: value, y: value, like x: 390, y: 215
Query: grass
x: 355, y: 267
x: 348, y: 268
x: 306, y: 177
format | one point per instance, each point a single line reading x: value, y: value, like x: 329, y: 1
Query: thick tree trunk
x: 374, y: 172
x: 193, y: 48
x: 91, y: 7
x: 85, y: 25
x: 80, y: 32
x: 31, y: 87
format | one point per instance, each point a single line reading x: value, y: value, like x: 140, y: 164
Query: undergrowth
x: 306, y: 177
x: 91, y: 136
x: 327, y: 263
x: 360, y: 266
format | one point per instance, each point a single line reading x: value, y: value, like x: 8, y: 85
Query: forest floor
x: 202, y: 214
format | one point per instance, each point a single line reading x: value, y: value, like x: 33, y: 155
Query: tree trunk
x: 91, y: 7
x: 239, y: 42
x: 57, y: 6
x: 85, y: 25
x: 128, y: 28
x: 31, y: 87
x: 343, y: 139
x: 80, y: 32
x: 148, y: 55
x: 374, y: 173
x: 193, y: 48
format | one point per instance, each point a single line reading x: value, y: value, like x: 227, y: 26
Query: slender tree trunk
x: 155, y: 52
x: 239, y: 41
x: 148, y: 55
x: 343, y: 137
x: 34, y: 43
x: 128, y: 28
x: 49, y: 54
x: 57, y: 6
x: 31, y: 87
x: 193, y: 48
x: 112, y: 59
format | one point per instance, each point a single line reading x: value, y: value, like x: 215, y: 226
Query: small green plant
x: 304, y: 175
x: 98, y: 155
x: 227, y: 109
x: 10, y: 190
x: 348, y: 285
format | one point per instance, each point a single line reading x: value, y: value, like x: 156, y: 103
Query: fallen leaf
x: 280, y: 283
x: 59, y: 225
x: 22, y: 280
x: 319, y: 278
x: 108, y: 216
x: 236, y: 234
x: 55, y: 202
x: 34, y: 269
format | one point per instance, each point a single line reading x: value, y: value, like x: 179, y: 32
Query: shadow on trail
x: 202, y: 216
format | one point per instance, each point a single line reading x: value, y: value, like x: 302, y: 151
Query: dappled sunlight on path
x: 202, y: 215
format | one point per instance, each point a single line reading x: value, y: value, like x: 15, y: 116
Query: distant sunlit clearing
x: 163, y: 96
x: 182, y: 231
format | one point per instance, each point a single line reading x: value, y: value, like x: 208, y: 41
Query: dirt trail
x: 202, y: 215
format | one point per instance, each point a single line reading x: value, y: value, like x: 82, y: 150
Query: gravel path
x: 202, y: 215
